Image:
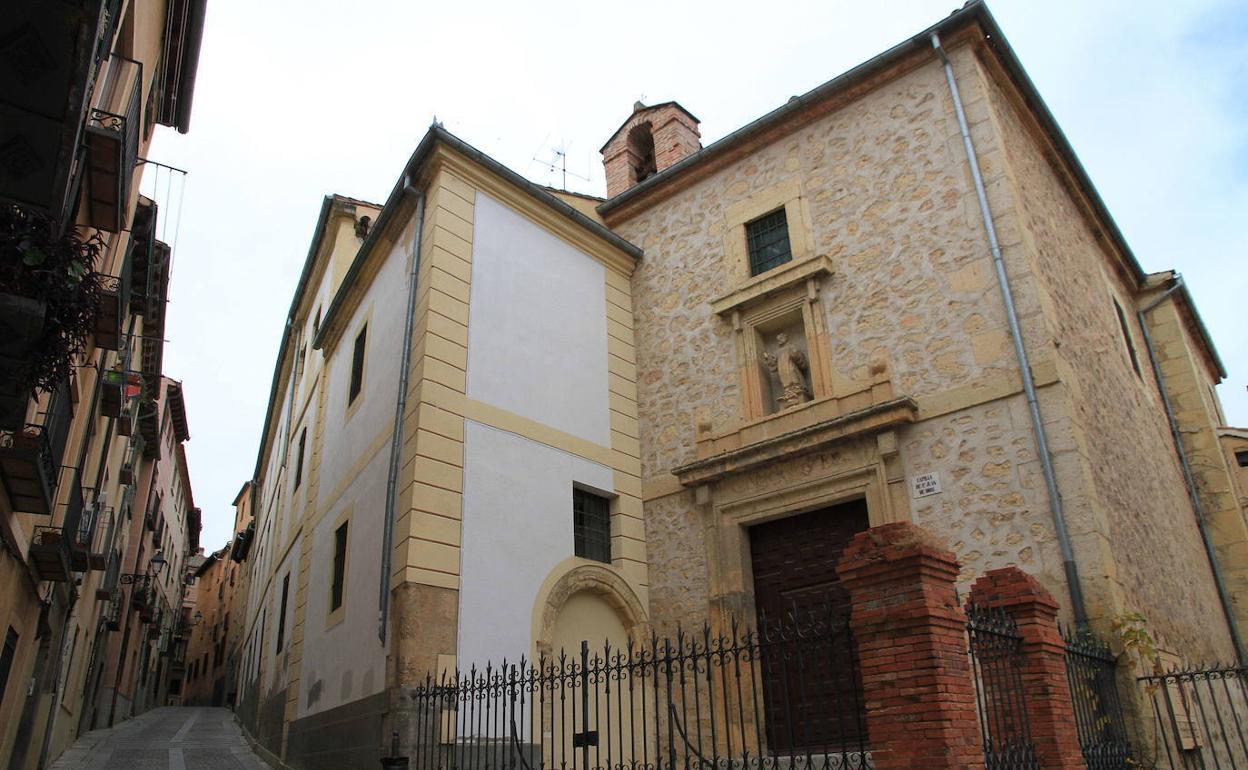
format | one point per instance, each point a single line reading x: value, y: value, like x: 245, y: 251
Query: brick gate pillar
x: 911, y: 636
x: 1046, y: 690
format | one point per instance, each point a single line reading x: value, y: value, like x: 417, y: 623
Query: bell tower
x: 651, y: 140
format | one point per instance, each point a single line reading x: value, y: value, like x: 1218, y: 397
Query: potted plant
x: 49, y: 295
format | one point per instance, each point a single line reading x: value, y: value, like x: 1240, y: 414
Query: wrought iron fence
x: 1201, y: 718
x: 1091, y: 669
x: 784, y: 697
x: 996, y: 659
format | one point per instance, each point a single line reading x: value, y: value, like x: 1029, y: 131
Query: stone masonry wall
x: 1135, y: 505
x: 892, y: 205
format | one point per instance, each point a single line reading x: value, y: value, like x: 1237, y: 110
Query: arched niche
x: 641, y: 147
x: 591, y: 597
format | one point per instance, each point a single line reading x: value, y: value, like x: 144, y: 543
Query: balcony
x: 97, y: 537
x: 114, y: 304
x: 117, y: 389
x: 21, y: 326
x: 112, y: 141
x: 113, y: 614
x: 178, y: 62
x: 79, y: 526
x: 242, y: 544
x: 107, y: 588
x: 50, y: 53
x: 143, y: 600
x: 50, y: 554
x: 129, y: 470
x: 142, y: 244
x: 30, y: 458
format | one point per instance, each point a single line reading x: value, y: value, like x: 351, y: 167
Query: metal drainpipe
x: 400, y: 406
x: 1189, y: 478
x: 1078, y: 607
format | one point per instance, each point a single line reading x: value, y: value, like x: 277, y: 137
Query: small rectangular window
x: 340, y: 567
x: 303, y: 441
x: 281, y: 618
x: 1242, y: 459
x: 6, y: 660
x: 591, y: 525
x: 768, y: 240
x: 1126, y: 336
x: 357, y: 365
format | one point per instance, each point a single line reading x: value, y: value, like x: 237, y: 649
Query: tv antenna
x: 559, y: 162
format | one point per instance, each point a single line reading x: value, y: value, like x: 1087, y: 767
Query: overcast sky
x: 296, y: 99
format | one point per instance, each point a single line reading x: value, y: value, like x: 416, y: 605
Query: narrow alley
x: 165, y: 738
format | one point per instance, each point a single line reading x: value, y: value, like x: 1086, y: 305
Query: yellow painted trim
x: 496, y: 417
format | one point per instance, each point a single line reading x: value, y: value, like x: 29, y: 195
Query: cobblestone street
x: 173, y: 738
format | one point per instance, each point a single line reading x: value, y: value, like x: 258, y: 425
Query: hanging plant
x: 43, y: 270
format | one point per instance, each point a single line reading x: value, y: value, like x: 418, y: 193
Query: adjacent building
x: 90, y: 429
x: 455, y: 389
x: 218, y: 588
x: 506, y: 419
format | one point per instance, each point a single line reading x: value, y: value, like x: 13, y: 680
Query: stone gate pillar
x: 1046, y: 690
x: 911, y: 636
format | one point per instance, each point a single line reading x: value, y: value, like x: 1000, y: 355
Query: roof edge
x: 966, y: 14
x: 436, y: 135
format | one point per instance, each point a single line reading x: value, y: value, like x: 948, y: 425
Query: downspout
x: 1078, y: 607
x: 1189, y: 478
x: 400, y: 406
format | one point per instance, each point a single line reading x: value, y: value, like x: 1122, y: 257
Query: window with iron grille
x: 768, y: 240
x: 591, y: 525
x: 6, y: 659
x: 357, y: 365
x: 340, y: 567
x: 281, y: 619
x: 303, y: 442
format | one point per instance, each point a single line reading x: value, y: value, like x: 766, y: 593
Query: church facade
x: 507, y: 419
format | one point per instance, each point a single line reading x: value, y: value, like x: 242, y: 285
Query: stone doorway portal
x: 794, y: 563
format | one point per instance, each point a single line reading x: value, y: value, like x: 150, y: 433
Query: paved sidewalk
x: 165, y: 739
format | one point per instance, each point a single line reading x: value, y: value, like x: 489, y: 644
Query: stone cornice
x: 772, y: 282
x: 815, y: 426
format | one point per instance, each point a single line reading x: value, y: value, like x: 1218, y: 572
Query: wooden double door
x: 811, y: 684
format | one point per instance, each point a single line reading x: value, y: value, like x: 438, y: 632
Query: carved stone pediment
x: 811, y: 427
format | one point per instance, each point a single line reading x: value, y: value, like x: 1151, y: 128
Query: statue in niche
x: 789, y: 365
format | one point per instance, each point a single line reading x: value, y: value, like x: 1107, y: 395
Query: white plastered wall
x: 517, y: 529
x: 537, y: 348
x: 537, y: 325
x: 352, y: 480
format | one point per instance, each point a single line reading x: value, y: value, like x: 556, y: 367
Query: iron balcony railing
x: 30, y: 458
x: 44, y: 102
x: 49, y: 554
x: 114, y: 305
x: 112, y: 141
